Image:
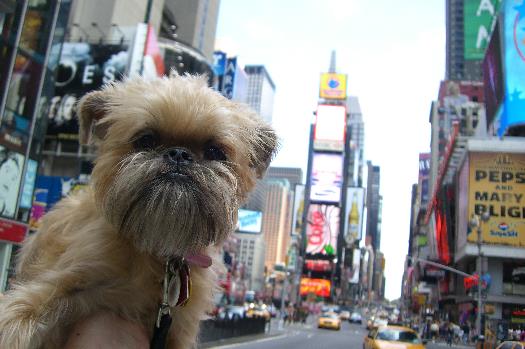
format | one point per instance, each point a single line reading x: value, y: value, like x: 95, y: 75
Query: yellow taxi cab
x: 329, y: 320
x: 388, y: 337
x: 511, y: 345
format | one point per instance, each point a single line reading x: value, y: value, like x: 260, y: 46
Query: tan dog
x: 175, y: 161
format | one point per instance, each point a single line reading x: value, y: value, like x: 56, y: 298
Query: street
x: 310, y: 337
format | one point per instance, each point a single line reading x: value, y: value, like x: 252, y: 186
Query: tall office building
x: 277, y: 221
x: 194, y: 22
x: 250, y: 254
x: 357, y: 141
x: 469, y: 25
x: 373, y: 201
x: 294, y: 175
x: 261, y: 91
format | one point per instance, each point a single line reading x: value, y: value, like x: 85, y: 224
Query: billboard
x: 514, y: 67
x: 493, y: 75
x: 11, y: 164
x: 318, y: 265
x: 353, y: 222
x: 319, y: 287
x: 356, y: 265
x: 83, y: 68
x: 326, y: 178
x: 497, y: 186
x: 332, y: 86
x: 478, y: 21
x: 298, y: 208
x: 322, y: 228
x: 424, y: 173
x: 330, y: 127
x: 249, y: 221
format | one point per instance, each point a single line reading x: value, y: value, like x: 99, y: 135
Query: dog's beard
x: 167, y: 213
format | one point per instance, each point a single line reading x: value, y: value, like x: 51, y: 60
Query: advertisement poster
x: 478, y: 21
x: 493, y: 76
x: 26, y: 201
x: 327, y: 177
x: 355, y: 205
x: 497, y: 186
x: 11, y: 165
x: 330, y: 127
x: 298, y: 208
x: 424, y: 173
x: 319, y: 287
x: 322, y: 229
x: 249, y: 221
x: 83, y: 68
x: 12, y: 231
x: 332, y: 86
x: 356, y: 266
x: 514, y: 66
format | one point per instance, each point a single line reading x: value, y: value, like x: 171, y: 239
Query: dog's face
x: 176, y: 159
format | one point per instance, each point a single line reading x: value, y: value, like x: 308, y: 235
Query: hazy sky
x: 394, y: 55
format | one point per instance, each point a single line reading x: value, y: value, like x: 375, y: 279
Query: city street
x: 310, y: 337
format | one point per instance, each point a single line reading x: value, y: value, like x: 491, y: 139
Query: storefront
x: 31, y: 33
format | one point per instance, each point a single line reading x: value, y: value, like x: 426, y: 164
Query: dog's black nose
x: 180, y: 156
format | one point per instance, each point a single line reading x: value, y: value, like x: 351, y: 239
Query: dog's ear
x: 92, y: 108
x: 264, y: 144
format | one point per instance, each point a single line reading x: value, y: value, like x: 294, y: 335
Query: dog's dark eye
x: 213, y: 152
x: 145, y: 142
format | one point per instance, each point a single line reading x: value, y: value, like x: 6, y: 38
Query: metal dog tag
x: 179, y: 286
x: 174, y: 289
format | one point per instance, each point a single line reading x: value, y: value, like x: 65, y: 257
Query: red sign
x: 320, y: 287
x: 12, y: 231
x: 318, y: 265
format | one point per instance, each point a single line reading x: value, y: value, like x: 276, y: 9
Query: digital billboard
x: 424, y: 173
x: 493, y: 75
x: 11, y: 165
x: 332, y: 86
x: 298, y: 209
x: 497, y: 186
x: 353, y: 223
x: 322, y: 228
x: 330, y: 126
x: 514, y: 67
x: 249, y: 221
x: 318, y: 265
x: 319, y: 287
x: 478, y: 21
x: 326, y: 178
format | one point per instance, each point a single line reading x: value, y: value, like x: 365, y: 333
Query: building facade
x: 261, y: 91
x: 373, y: 203
x: 250, y: 254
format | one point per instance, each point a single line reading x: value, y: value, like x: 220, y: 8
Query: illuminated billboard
x: 332, y: 86
x: 356, y: 265
x: 353, y: 223
x: 497, y: 186
x: 318, y: 265
x: 249, y: 221
x: 322, y: 228
x: 326, y: 178
x: 514, y: 67
x: 478, y: 21
x: 298, y: 208
x: 330, y: 126
x: 493, y: 76
x: 319, y: 287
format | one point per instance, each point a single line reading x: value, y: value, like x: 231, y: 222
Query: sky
x: 394, y: 55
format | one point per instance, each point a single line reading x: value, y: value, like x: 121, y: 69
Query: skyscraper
x: 373, y: 200
x: 261, y: 91
x: 469, y: 25
x: 357, y: 141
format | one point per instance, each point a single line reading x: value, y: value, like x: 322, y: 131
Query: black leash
x: 176, y: 289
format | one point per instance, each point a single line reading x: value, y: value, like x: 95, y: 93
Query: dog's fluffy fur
x: 103, y: 249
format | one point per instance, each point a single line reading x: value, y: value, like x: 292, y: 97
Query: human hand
x: 108, y: 331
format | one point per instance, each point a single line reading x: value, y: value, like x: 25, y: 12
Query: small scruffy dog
x: 175, y: 161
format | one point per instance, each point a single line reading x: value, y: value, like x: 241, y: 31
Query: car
x: 355, y: 318
x: 511, y: 345
x: 258, y: 311
x: 329, y: 320
x: 231, y: 312
x: 344, y: 315
x: 387, y: 337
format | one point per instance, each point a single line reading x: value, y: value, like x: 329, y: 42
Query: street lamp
x: 476, y: 222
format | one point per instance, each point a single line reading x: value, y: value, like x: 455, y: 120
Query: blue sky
x: 394, y: 55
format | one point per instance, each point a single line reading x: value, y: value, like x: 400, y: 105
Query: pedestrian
x: 466, y: 333
x: 450, y: 334
x: 434, y: 331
